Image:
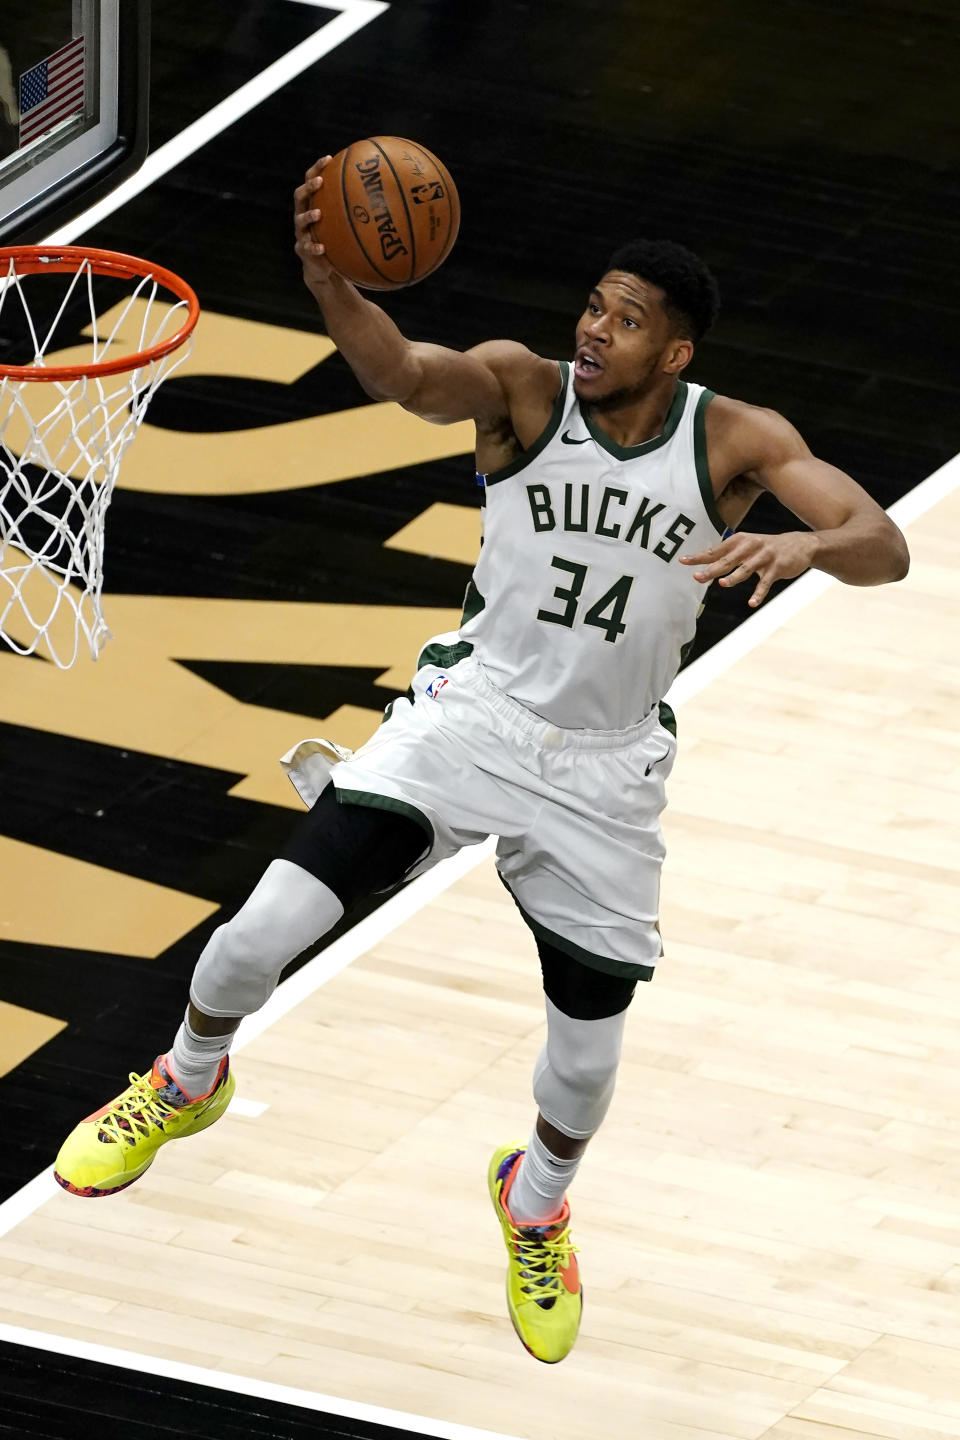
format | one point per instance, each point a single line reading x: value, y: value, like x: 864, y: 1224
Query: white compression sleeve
x: 241, y: 963
x: 576, y: 1071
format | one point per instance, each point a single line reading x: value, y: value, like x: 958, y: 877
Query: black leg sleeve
x: 578, y: 990
x: 355, y: 850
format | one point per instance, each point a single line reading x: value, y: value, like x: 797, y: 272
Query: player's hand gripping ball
x: 389, y: 213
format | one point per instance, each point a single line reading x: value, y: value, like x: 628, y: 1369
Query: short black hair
x: 691, y: 294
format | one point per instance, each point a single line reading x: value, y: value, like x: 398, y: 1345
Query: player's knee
x: 235, y: 974
x: 253, y: 943
x: 239, y: 968
x: 245, y: 947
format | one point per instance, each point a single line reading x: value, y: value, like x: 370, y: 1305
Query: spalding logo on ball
x: 390, y: 213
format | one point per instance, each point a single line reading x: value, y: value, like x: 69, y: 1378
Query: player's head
x: 655, y: 300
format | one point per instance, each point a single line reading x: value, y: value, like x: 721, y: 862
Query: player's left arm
x: 850, y: 536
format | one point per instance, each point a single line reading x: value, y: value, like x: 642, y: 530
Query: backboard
x: 74, y: 91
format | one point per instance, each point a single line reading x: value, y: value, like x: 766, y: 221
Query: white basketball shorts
x: 576, y: 812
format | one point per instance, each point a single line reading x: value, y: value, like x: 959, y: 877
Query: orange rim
x: 66, y: 259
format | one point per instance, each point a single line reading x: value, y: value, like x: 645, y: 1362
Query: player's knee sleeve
x: 240, y: 966
x: 576, y: 1071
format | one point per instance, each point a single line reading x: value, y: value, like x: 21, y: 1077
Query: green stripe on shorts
x: 385, y: 802
x: 586, y: 957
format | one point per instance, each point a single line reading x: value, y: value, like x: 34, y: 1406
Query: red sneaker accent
x: 162, y: 1077
x: 571, y: 1276
x: 557, y: 1220
x: 98, y: 1114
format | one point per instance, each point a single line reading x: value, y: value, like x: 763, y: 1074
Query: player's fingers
x: 306, y: 248
x: 317, y: 166
x: 719, y: 567
x: 760, y: 594
x: 702, y: 557
x: 742, y: 572
x: 304, y: 243
x: 303, y: 195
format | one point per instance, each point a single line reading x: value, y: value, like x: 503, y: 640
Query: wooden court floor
x: 770, y: 1219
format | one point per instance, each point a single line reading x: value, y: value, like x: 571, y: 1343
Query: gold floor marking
x: 450, y: 532
x: 23, y: 1031
x: 51, y: 899
x: 296, y: 454
x: 138, y: 697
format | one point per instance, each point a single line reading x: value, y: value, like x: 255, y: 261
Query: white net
x: 61, y: 443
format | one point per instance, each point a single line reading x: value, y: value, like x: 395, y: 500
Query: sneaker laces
x: 135, y: 1113
x: 542, y: 1257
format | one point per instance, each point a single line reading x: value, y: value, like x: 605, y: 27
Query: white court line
x: 292, y: 991
x: 240, y: 1105
x: 242, y: 1385
x: 354, y: 15
x: 27, y: 1199
x: 362, y: 938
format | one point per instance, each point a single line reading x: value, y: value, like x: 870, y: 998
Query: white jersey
x: 578, y: 608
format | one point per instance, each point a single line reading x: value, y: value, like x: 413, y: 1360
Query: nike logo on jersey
x: 568, y: 439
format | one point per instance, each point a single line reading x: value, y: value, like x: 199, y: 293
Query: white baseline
x: 369, y: 932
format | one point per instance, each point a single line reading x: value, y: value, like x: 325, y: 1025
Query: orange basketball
x: 390, y: 213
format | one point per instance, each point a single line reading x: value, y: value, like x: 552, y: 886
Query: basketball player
x: 614, y: 488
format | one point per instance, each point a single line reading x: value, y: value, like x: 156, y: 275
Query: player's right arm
x: 495, y: 384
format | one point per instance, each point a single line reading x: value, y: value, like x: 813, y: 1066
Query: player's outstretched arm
x: 439, y: 384
x: 850, y: 536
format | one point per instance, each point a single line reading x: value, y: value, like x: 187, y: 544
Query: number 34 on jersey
x: 608, y: 518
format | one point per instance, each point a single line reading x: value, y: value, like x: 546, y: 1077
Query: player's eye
x: 632, y: 323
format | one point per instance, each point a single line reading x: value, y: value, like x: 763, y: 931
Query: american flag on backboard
x: 51, y: 91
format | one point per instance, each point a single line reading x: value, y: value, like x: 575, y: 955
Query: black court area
x: 808, y: 151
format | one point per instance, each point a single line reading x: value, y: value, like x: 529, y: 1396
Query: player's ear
x: 678, y: 355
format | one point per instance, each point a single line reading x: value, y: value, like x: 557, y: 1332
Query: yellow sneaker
x: 112, y: 1148
x: 544, y: 1293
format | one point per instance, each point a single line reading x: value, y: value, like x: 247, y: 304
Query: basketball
x: 390, y: 213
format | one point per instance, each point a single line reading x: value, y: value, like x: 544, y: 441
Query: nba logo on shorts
x: 436, y: 685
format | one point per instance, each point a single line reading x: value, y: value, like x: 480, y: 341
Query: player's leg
x: 413, y: 793
x: 240, y: 965
x: 586, y: 878
x: 573, y: 1084
x: 573, y: 1080
x: 338, y: 854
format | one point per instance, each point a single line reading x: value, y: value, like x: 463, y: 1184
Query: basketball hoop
x: 65, y: 426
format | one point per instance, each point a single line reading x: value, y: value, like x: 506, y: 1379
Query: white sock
x: 194, y: 1058
x: 539, y: 1184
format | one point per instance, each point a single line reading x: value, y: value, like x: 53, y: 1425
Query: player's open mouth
x: 586, y: 368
